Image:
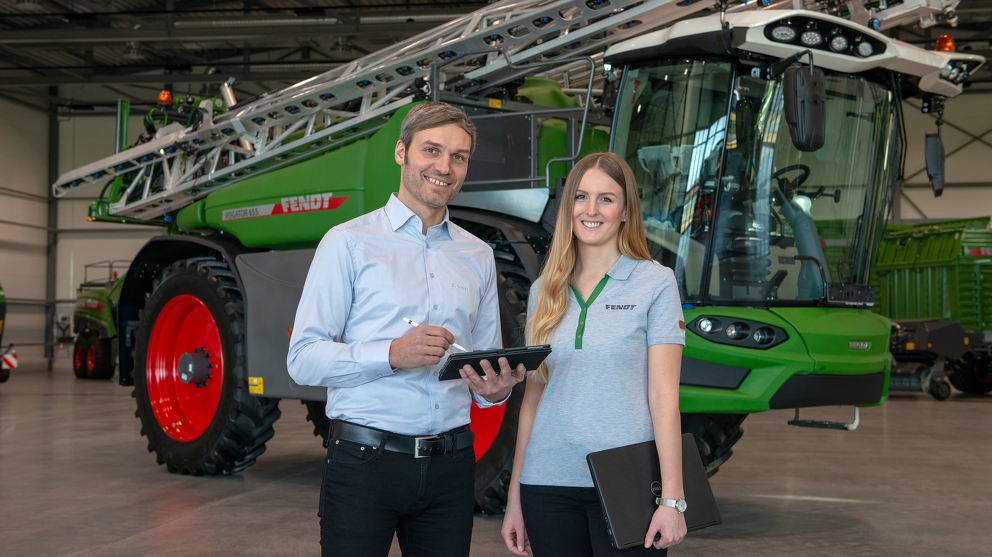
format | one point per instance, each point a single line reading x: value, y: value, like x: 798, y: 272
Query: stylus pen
x: 415, y: 324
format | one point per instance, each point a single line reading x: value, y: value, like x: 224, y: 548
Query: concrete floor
x: 76, y: 479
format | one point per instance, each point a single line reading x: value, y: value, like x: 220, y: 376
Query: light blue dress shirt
x: 367, y: 275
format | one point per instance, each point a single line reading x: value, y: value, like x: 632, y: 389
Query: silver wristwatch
x: 678, y: 505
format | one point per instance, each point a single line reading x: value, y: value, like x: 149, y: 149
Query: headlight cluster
x: 821, y: 35
x: 738, y: 332
x: 956, y: 72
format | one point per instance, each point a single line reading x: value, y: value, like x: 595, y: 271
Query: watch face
x: 680, y: 505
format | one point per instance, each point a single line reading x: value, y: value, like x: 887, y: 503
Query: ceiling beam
x: 289, y: 74
x: 213, y: 35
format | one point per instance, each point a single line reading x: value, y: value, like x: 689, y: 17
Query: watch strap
x: 679, y: 505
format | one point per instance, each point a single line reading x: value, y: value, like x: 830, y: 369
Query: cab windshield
x: 731, y: 205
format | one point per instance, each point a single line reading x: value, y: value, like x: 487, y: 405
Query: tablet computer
x: 530, y: 356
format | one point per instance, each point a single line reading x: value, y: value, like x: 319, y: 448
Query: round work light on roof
x: 839, y: 43
x: 865, y: 49
x: 784, y: 33
x: 811, y: 38
x: 705, y: 325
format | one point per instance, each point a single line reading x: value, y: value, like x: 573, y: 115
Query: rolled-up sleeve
x: 317, y: 356
x: 487, y: 335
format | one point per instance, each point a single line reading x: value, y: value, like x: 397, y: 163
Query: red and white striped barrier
x: 9, y: 360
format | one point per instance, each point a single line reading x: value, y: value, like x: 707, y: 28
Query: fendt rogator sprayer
x: 771, y: 245
x: 930, y: 280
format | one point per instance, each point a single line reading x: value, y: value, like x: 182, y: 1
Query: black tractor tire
x: 493, y: 468
x: 973, y: 374
x: 317, y: 414
x: 715, y: 434
x: 4, y: 375
x: 238, y: 430
x: 103, y: 363
x: 82, y: 345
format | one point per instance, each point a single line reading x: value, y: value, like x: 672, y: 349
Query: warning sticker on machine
x: 980, y: 251
x: 255, y: 386
x: 288, y: 205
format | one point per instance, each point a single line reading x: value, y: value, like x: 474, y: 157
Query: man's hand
x: 423, y: 346
x: 492, y: 386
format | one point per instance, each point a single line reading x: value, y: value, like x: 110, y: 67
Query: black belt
x: 419, y: 447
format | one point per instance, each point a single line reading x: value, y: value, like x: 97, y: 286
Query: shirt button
x: 426, y: 245
x: 436, y: 406
x: 432, y: 275
x: 435, y: 306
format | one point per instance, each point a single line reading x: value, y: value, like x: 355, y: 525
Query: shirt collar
x: 399, y: 214
x: 622, y: 268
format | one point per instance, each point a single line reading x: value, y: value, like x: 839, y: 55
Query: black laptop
x: 628, y: 479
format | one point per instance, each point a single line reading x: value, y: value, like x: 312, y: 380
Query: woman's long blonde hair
x: 552, y: 295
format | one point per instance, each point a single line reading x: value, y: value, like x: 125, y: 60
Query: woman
x: 614, y: 319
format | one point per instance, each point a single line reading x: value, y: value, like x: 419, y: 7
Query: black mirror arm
x: 778, y: 68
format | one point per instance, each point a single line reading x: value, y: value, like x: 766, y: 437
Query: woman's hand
x: 513, y: 530
x: 666, y: 522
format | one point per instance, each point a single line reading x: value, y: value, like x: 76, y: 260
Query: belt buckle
x: 416, y: 445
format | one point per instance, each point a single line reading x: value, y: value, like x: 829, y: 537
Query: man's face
x: 434, y: 166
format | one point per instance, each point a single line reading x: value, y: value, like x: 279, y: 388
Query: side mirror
x: 935, y: 162
x: 805, y: 106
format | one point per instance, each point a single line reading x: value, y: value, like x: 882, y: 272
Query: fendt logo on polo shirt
x: 614, y: 306
x: 287, y: 206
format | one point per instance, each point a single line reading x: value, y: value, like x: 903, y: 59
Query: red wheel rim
x: 183, y: 410
x: 485, y: 425
x: 77, y: 356
x: 90, y: 358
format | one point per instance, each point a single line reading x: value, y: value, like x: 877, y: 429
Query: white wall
x: 83, y: 140
x: 968, y: 166
x: 23, y: 251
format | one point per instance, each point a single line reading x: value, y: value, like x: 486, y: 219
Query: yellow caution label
x: 495, y: 103
x: 966, y: 341
x: 255, y: 386
x: 910, y: 346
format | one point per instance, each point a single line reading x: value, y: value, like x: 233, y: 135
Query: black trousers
x: 569, y: 521
x: 367, y: 495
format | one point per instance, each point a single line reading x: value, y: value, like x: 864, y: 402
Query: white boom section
x: 186, y: 164
x: 181, y: 165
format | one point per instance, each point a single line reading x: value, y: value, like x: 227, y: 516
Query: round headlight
x: 839, y: 43
x: 954, y: 74
x: 811, y: 38
x: 784, y: 33
x: 945, y: 71
x: 963, y: 76
x: 764, y: 335
x: 705, y: 325
x: 737, y: 331
x: 865, y: 49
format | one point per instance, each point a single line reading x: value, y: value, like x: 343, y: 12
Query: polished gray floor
x: 76, y: 479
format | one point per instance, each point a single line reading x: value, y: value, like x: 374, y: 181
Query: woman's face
x: 599, y: 207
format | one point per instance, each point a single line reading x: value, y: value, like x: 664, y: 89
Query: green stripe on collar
x: 585, y: 306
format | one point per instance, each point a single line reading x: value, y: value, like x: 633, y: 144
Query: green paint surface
x: 109, y: 298
x: 822, y: 347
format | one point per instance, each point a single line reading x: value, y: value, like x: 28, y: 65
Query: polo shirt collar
x: 622, y: 268
x: 399, y: 214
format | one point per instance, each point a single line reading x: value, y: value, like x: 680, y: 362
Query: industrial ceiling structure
x: 79, y: 56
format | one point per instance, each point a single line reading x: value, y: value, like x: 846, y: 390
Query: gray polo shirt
x: 597, y: 395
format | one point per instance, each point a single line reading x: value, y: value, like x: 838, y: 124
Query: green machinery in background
x: 94, y: 320
x: 935, y: 282
x: 772, y: 245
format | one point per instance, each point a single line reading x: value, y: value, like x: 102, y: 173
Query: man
x: 400, y: 457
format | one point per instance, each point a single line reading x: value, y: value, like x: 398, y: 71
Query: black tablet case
x: 530, y: 356
x: 623, y: 478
